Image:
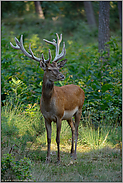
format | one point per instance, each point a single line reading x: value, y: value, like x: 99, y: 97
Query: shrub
x: 15, y: 170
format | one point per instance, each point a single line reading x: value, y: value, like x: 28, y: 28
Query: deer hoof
x: 47, y: 160
x: 74, y: 157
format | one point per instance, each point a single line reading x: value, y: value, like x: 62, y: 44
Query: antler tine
x: 48, y: 60
x: 19, y: 46
x: 15, y: 47
x: 50, y: 57
x: 50, y: 42
x: 58, y: 43
x: 62, y: 54
x: 42, y: 58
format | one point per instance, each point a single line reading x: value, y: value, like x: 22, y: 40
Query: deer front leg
x: 71, y: 123
x: 58, y: 138
x: 48, y: 128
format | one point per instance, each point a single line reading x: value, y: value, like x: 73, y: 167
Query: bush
x: 15, y: 170
x: 24, y: 86
x: 102, y: 82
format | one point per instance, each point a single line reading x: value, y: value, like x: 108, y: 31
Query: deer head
x: 51, y: 69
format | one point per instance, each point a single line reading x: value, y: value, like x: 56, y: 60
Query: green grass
x: 95, y: 165
x: 98, y: 156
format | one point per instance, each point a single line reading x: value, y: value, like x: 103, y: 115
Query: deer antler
x: 43, y: 62
x: 19, y: 46
x: 62, y: 54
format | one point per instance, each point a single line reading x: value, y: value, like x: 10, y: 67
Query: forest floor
x: 102, y: 165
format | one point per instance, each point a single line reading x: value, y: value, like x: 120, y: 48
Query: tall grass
x: 20, y: 126
x: 26, y: 128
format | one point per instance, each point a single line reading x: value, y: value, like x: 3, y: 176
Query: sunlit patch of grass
x: 95, y: 165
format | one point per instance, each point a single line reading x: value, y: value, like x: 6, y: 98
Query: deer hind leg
x: 58, y: 138
x: 77, y: 120
x: 71, y: 123
x: 48, y: 128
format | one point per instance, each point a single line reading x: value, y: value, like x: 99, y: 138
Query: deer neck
x: 47, y: 89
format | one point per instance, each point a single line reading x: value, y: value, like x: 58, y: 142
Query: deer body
x: 57, y: 103
x: 62, y: 103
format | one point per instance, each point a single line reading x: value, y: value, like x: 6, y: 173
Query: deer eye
x: 49, y: 69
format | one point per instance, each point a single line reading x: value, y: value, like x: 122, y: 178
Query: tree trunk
x: 120, y: 13
x: 103, y: 33
x: 90, y: 13
x: 39, y: 10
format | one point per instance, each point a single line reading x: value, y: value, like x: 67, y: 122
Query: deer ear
x: 43, y: 66
x: 62, y: 63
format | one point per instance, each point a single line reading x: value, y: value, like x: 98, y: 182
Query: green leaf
x: 106, y: 87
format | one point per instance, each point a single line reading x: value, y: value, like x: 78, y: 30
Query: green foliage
x: 67, y: 12
x: 16, y: 8
x: 114, y: 15
x: 73, y: 10
x: 100, y: 81
x: 15, y: 81
x: 15, y: 170
x: 11, y: 6
x: 104, y: 84
x: 69, y: 9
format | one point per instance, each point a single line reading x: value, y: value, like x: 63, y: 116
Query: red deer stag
x: 57, y: 103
